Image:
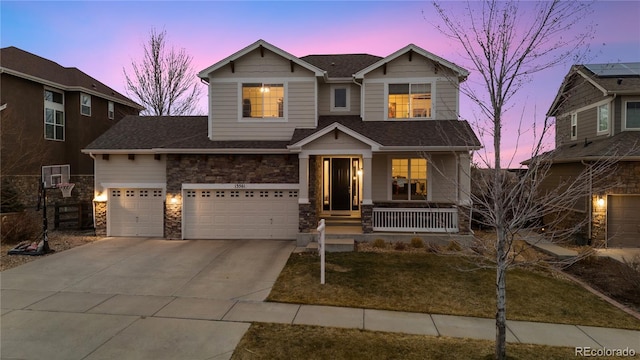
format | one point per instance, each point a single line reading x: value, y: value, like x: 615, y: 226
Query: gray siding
x: 444, y: 86
x: 324, y: 99
x: 300, y: 109
x: 144, y: 169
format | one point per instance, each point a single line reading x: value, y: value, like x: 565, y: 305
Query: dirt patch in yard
x: 618, y: 281
x: 58, y: 241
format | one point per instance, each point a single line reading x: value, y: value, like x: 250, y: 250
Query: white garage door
x: 623, y: 217
x: 136, y: 212
x: 240, y: 214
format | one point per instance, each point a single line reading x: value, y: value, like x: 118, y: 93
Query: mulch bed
x: 612, y: 278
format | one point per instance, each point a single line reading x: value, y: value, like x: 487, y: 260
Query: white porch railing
x: 415, y: 220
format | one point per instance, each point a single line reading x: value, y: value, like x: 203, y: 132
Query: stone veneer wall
x: 27, y: 187
x: 309, y: 213
x: 222, y: 169
x: 627, y: 174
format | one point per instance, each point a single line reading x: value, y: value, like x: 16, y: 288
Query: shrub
x: 400, y: 246
x: 379, y: 244
x: 417, y: 242
x: 631, y: 272
x: 22, y: 226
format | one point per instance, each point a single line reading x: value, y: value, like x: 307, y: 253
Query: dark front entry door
x: 341, y: 184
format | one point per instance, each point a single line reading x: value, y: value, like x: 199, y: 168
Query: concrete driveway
x: 134, y: 298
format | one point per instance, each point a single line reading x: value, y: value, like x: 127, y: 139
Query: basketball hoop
x: 66, y: 189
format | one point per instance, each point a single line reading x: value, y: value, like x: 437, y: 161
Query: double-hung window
x: 408, y: 179
x: 632, y: 115
x: 260, y: 100
x: 408, y: 101
x: 603, y: 118
x: 574, y: 126
x: 85, y: 104
x: 111, y: 112
x: 53, y: 115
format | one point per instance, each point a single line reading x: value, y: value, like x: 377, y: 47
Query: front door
x: 341, y: 184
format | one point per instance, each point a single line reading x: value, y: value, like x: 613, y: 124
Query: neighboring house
x: 49, y: 113
x: 597, y: 111
x: 289, y: 141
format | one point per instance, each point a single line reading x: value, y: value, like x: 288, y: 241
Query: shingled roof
x: 21, y: 63
x: 341, y: 66
x: 625, y: 145
x: 189, y: 134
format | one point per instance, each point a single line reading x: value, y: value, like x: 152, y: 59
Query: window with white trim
x: 111, y: 110
x: 340, y: 98
x: 85, y: 104
x: 574, y: 126
x: 53, y: 115
x: 408, y: 179
x: 53, y: 175
x: 261, y: 100
x: 632, y: 115
x: 603, y: 118
x: 409, y: 101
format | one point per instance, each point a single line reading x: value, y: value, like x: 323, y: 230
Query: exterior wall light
x: 174, y: 199
x: 100, y: 197
x: 600, y: 201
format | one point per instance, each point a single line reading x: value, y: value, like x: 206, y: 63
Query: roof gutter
x: 183, y: 151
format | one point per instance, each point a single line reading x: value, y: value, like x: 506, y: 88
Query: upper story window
x: 574, y: 126
x: 408, y: 101
x: 53, y: 115
x: 85, y: 104
x: 603, y: 118
x: 111, y: 110
x: 261, y: 100
x: 632, y: 116
x: 408, y: 179
x: 340, y: 98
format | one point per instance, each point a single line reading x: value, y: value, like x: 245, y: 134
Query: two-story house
x: 597, y: 111
x: 49, y: 113
x: 291, y: 140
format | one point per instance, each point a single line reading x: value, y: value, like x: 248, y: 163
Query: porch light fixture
x: 600, y: 201
x: 174, y: 199
x: 101, y: 197
x: 359, y: 172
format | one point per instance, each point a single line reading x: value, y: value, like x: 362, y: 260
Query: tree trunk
x: 501, y: 296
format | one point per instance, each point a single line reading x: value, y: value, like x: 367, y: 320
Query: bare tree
x: 164, y: 81
x: 506, y: 43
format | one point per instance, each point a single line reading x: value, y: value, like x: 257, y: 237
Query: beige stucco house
x: 290, y: 140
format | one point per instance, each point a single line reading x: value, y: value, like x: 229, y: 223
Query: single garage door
x: 136, y: 212
x: 623, y: 221
x: 240, y: 214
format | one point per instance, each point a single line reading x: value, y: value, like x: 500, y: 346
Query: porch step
x: 342, y: 221
x: 333, y: 245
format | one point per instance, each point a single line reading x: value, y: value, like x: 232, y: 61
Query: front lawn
x: 439, y: 284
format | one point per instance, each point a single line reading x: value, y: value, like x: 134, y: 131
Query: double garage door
x: 240, y: 214
x: 136, y: 212
x: 623, y: 221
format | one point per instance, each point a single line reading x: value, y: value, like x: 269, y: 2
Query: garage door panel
x: 623, y: 221
x: 136, y: 212
x: 240, y: 214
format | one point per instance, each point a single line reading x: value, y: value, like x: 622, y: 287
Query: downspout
x: 361, y: 98
x: 93, y: 205
x: 590, y: 208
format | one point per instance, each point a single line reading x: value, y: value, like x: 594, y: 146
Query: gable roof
x: 610, y: 79
x: 204, y: 74
x: 398, y: 135
x: 461, y: 72
x: 341, y: 65
x: 17, y: 62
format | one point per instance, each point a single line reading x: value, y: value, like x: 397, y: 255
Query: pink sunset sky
x: 103, y: 37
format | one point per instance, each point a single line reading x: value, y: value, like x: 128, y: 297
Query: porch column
x: 303, y: 174
x: 367, y: 175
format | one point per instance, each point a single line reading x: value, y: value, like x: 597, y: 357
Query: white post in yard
x: 320, y: 229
